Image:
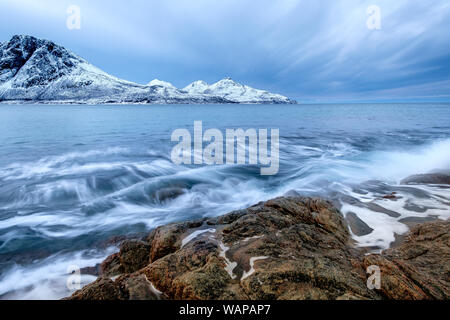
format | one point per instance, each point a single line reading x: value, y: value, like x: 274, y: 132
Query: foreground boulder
x: 101, y: 289
x: 420, y: 267
x: 286, y: 248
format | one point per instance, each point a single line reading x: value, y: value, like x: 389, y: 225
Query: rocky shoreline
x: 291, y: 248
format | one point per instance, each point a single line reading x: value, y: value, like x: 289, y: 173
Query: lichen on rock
x: 285, y: 248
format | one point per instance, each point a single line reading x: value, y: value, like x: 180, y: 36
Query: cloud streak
x: 307, y: 49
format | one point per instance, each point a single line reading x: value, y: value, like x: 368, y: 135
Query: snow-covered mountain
x: 197, y: 87
x: 231, y: 90
x: 157, y: 82
x: 41, y: 71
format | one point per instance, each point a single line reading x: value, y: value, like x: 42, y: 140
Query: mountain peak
x: 199, y: 82
x: 157, y: 82
x: 28, y: 41
x: 39, y: 70
x: 197, y: 87
x: 30, y: 61
x: 226, y: 82
x: 22, y: 37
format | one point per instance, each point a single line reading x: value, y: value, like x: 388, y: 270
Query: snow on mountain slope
x: 234, y: 91
x: 41, y: 71
x: 197, y: 87
x: 157, y: 82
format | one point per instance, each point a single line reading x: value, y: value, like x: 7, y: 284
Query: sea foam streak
x: 60, y: 207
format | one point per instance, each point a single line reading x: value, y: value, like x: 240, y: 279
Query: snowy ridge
x: 234, y: 91
x: 157, y: 82
x: 41, y: 71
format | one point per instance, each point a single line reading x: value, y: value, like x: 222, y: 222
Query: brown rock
x: 420, y: 267
x: 137, y: 287
x: 285, y: 248
x: 134, y: 255
x: 111, y: 266
x: 165, y: 239
x: 101, y: 289
x: 299, y: 249
x: 194, y: 273
x: 94, y: 271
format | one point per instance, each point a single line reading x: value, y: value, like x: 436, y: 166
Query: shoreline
x: 286, y: 248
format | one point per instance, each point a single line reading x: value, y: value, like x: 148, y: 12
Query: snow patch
x: 157, y: 82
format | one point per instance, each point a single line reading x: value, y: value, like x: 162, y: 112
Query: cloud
x: 301, y: 48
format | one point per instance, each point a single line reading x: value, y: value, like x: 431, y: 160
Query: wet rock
x: 111, y: 266
x: 370, y: 205
x: 429, y: 178
x: 137, y: 287
x: 285, y: 248
x: 194, y: 273
x: 101, y: 289
x: 93, y: 271
x: 134, y: 255
x: 420, y: 267
x: 358, y: 227
x: 166, y: 239
x: 377, y: 208
x: 414, y: 221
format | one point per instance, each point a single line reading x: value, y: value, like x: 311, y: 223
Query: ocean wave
x: 47, y: 279
x: 48, y: 165
x: 99, y: 192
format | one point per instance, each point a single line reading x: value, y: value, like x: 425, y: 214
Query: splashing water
x: 72, y: 177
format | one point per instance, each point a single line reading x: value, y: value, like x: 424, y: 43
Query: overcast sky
x: 312, y: 50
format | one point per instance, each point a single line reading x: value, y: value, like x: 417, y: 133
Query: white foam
x: 396, y: 165
x: 229, y: 266
x: 384, y: 227
x: 153, y: 288
x: 216, y: 190
x: 252, y: 238
x: 194, y: 235
x: 248, y: 273
x: 48, y: 165
x: 47, y: 279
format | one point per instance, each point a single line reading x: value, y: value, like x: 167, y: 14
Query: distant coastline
x: 35, y: 70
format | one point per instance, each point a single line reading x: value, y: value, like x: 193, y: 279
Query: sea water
x: 72, y: 177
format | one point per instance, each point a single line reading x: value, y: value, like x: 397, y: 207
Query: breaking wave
x: 63, y: 209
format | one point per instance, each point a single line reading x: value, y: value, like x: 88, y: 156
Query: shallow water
x: 71, y: 177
